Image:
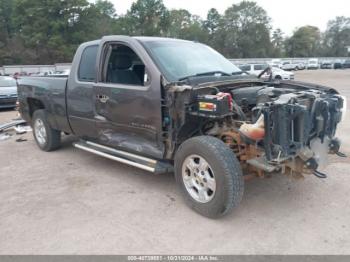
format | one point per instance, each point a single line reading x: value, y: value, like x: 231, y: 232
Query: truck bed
x: 50, y: 91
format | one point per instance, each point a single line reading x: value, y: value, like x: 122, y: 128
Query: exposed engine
x: 273, y: 128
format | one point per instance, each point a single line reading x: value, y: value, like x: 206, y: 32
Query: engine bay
x: 269, y: 126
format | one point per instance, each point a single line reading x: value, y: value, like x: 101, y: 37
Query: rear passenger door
x: 128, y: 100
x: 80, y: 107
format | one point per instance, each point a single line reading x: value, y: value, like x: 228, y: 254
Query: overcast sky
x: 285, y: 14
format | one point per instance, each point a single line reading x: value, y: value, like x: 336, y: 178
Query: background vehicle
x: 278, y: 73
x: 253, y: 69
x: 326, y: 65
x: 346, y: 64
x: 338, y: 65
x: 276, y: 63
x: 8, y: 92
x: 46, y: 73
x: 301, y: 66
x: 19, y: 74
x: 164, y: 104
x: 312, y: 64
x: 257, y: 69
x: 62, y: 73
x: 288, y: 66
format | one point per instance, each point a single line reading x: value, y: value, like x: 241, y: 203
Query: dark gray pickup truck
x: 166, y: 105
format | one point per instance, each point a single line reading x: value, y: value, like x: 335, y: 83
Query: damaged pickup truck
x: 166, y: 105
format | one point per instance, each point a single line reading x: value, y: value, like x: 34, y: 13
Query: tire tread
x: 234, y: 183
x: 53, y: 135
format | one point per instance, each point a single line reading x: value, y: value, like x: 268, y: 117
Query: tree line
x: 49, y: 31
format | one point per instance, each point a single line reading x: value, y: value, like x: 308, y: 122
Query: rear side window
x: 87, y: 67
x: 258, y: 67
x: 244, y: 67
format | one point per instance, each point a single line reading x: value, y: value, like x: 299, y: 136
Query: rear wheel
x: 209, y: 176
x: 47, y: 138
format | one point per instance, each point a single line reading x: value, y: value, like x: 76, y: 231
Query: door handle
x: 102, y: 98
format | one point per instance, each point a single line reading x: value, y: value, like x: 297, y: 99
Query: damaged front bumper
x: 299, y: 134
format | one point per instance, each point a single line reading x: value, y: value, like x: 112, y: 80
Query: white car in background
x: 276, y: 63
x: 253, y: 69
x: 312, y: 64
x: 289, y: 66
x: 8, y: 92
x: 62, y: 73
x: 281, y: 74
x: 45, y: 73
x: 257, y: 69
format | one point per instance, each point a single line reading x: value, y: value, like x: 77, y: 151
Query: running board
x: 141, y: 162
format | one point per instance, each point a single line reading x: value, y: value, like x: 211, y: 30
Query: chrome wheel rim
x: 40, y: 131
x: 198, y: 178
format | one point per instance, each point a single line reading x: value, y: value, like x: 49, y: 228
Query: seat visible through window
x: 125, y: 67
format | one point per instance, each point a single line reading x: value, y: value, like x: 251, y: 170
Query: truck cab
x: 113, y: 96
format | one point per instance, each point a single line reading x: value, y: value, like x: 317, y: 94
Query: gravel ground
x: 72, y: 202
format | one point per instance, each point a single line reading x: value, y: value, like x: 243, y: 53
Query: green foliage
x: 105, y: 8
x: 6, y: 29
x: 148, y: 17
x: 212, y: 24
x: 180, y: 20
x: 245, y: 28
x: 305, y: 42
x: 184, y: 25
x: 49, y: 31
x: 337, y: 36
x: 277, y: 41
x: 6, y: 20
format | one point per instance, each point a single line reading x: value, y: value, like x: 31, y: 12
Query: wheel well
x: 34, y: 104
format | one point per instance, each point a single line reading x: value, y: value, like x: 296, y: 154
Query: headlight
x: 343, y: 110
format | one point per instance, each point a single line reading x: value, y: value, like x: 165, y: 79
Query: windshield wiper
x: 205, y: 74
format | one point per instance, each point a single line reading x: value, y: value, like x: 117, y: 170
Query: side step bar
x: 144, y: 163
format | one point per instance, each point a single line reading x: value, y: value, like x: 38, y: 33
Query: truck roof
x: 151, y: 38
x: 139, y: 38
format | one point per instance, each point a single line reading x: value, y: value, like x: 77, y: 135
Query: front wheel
x: 209, y: 176
x: 47, y: 138
x: 278, y: 77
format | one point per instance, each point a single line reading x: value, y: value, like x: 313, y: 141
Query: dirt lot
x: 72, y: 202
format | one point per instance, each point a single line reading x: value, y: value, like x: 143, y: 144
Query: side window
x: 87, y: 67
x: 245, y: 68
x: 125, y: 67
x: 258, y: 67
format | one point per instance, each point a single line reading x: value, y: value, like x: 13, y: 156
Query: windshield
x: 6, y: 82
x: 180, y: 59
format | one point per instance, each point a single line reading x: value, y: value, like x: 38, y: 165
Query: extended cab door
x: 79, y: 93
x: 127, y: 99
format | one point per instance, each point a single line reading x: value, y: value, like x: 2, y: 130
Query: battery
x: 213, y: 105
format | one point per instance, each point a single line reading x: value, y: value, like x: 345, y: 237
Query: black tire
x: 53, y: 137
x: 278, y: 77
x: 226, y: 169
